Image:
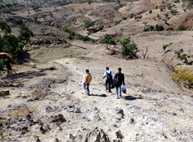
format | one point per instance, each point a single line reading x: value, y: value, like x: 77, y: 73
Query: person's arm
x: 104, y: 75
x: 84, y: 79
x: 123, y: 79
x: 111, y: 73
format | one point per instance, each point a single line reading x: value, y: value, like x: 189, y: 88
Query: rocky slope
x: 44, y: 102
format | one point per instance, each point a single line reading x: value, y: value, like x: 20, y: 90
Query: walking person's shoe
x: 118, y: 97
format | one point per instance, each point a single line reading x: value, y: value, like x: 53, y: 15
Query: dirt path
x: 151, y: 111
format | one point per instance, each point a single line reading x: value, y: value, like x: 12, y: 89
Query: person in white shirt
x: 109, y: 79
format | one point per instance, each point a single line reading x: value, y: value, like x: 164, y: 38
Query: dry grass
x: 20, y: 111
x: 184, y: 76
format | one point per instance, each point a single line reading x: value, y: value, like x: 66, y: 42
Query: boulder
x: 97, y: 135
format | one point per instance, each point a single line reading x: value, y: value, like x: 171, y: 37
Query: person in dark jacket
x: 119, y: 80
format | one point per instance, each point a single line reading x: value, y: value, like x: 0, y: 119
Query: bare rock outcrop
x: 97, y: 135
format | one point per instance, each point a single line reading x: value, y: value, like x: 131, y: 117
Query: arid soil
x: 44, y: 101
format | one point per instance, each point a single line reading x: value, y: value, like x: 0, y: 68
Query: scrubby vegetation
x: 188, y: 3
x: 165, y: 47
x: 108, y: 39
x: 14, y: 45
x: 129, y: 48
x: 184, y: 57
x: 88, y: 23
x: 184, y: 76
x: 157, y: 27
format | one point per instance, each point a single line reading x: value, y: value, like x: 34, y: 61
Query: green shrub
x: 4, y: 28
x: 108, y: 39
x: 182, y: 28
x: 88, y: 23
x: 2, y: 65
x: 11, y: 44
x: 129, y: 48
x: 25, y: 34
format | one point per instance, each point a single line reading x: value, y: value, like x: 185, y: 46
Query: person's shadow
x: 132, y: 98
x: 99, y: 95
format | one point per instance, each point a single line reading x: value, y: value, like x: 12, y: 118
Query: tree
x: 129, y: 48
x: 9, y: 43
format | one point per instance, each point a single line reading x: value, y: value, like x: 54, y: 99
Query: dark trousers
x: 108, y: 85
x: 87, y: 89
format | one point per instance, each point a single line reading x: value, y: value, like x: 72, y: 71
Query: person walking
x: 119, y: 80
x: 87, y: 78
x: 109, y: 79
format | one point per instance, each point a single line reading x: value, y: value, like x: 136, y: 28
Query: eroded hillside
x: 43, y: 100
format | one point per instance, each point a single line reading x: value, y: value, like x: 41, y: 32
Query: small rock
x: 132, y: 121
x: 37, y: 139
x: 119, y: 135
x: 58, y: 119
x: 121, y: 112
x: 4, y: 93
x: 73, y: 108
x: 174, y: 114
x: 57, y: 140
x: 44, y: 128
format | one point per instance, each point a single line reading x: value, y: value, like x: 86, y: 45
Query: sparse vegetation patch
x: 157, y: 27
x: 108, y: 39
x: 72, y: 35
x: 14, y: 45
x: 129, y: 48
x: 184, y: 76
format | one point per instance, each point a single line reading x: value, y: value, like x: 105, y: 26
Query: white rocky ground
x: 50, y: 105
x: 45, y: 102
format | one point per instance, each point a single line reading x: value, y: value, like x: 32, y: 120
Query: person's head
x: 119, y: 70
x: 107, y: 68
x: 87, y: 70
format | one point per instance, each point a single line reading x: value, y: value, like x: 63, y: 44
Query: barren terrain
x: 44, y: 102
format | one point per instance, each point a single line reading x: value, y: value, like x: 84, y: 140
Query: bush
x: 108, y: 39
x: 129, y: 48
x: 188, y: 3
x: 25, y: 34
x: 148, y: 28
x: 183, y: 75
x: 165, y: 46
x: 88, y: 23
x: 157, y: 27
x: 2, y: 65
x: 182, y: 28
x: 11, y: 44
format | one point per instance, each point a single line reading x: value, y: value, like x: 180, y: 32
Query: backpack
x: 109, y: 76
